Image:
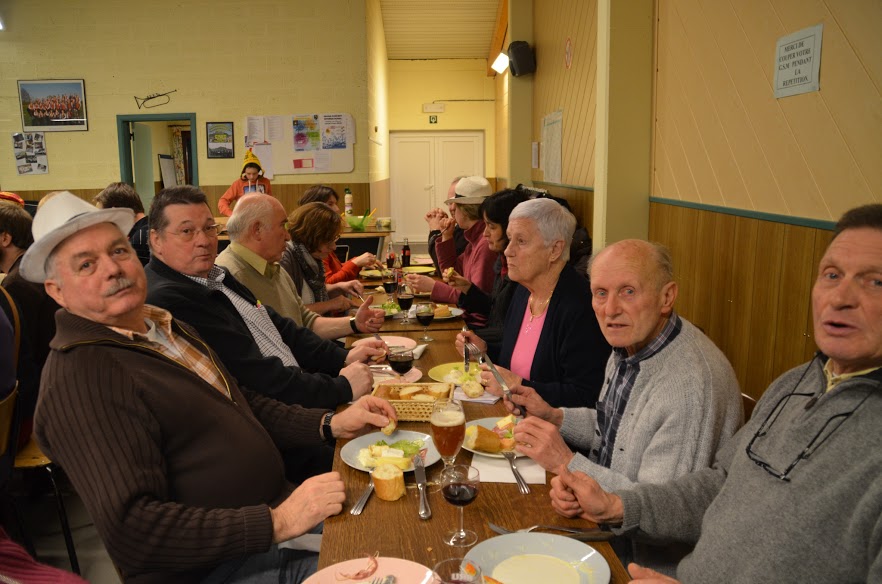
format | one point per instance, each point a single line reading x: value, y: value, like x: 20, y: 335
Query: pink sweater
x: 475, y: 264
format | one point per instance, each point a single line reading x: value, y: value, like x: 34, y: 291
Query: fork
x: 551, y: 527
x: 522, y: 484
x: 482, y: 359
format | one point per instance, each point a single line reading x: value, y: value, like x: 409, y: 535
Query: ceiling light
x: 500, y: 64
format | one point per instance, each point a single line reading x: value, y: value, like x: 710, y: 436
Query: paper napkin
x: 497, y: 470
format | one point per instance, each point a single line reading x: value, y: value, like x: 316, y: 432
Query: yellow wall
x: 226, y: 61
x: 378, y: 112
x: 721, y: 138
x: 413, y: 83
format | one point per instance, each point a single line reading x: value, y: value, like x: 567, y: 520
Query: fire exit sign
x: 433, y: 119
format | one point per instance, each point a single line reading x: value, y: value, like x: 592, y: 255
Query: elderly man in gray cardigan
x: 669, y: 400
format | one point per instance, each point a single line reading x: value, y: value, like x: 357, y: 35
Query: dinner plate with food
x: 490, y: 436
x: 445, y: 312
x: 418, y: 270
x: 526, y: 558
x: 375, y: 274
x: 377, y: 448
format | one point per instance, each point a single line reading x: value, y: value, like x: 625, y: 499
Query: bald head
x: 633, y: 292
x: 258, y: 223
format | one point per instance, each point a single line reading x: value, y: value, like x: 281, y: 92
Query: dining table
x: 394, y: 529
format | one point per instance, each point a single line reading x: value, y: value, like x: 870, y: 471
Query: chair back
x: 8, y: 435
x: 747, y: 403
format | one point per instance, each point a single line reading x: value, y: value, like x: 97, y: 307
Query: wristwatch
x: 352, y: 325
x: 326, y: 427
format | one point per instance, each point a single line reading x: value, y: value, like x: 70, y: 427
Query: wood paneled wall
x: 581, y: 201
x: 747, y: 283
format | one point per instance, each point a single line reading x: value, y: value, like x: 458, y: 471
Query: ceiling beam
x: 498, y: 35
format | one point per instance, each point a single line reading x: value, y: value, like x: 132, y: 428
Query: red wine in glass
x: 405, y: 301
x: 425, y: 318
x: 389, y: 286
x: 401, y: 363
x: 460, y: 494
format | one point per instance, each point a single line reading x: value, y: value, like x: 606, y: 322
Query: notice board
x: 303, y: 143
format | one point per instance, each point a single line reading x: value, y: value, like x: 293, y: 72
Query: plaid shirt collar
x: 155, y: 317
x: 668, y: 333
x: 215, y: 279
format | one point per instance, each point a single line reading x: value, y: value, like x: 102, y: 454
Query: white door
x: 142, y: 161
x: 421, y: 167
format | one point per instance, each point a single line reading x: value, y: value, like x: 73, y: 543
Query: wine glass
x: 389, y: 286
x: 405, y: 301
x: 448, y: 429
x: 459, y: 484
x: 401, y: 362
x: 425, y: 314
x: 457, y: 571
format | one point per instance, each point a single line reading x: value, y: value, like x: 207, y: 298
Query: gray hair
x: 552, y: 220
x: 661, y: 260
x: 248, y: 210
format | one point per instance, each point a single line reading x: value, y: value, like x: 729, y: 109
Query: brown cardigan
x: 177, y: 477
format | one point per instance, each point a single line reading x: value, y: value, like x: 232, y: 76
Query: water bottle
x: 347, y: 201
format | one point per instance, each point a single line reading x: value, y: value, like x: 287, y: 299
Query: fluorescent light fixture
x: 500, y: 64
x: 1, y: 24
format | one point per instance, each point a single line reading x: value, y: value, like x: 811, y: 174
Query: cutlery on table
x: 590, y: 534
x: 362, y: 501
x: 419, y: 472
x: 522, y: 484
x: 483, y: 358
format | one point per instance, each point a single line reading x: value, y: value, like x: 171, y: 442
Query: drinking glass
x: 401, y: 362
x: 459, y: 484
x: 457, y: 571
x: 448, y: 429
x: 389, y: 287
x: 425, y: 314
x: 405, y: 301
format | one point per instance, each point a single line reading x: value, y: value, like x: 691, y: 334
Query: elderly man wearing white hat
x: 148, y: 423
x: 476, y: 261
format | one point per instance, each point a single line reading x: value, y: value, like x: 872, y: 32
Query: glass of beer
x: 448, y: 429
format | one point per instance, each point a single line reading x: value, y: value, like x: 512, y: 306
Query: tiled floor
x: 41, y: 521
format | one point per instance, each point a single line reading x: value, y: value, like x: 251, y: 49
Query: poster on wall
x: 30, y: 153
x: 53, y: 105
x: 798, y: 62
x: 220, y: 139
x: 552, y: 132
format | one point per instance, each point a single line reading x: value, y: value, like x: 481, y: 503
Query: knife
x: 505, y: 390
x: 419, y: 471
x: 362, y: 501
x: 592, y: 534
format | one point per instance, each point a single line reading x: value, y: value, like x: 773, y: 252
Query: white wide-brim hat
x: 471, y: 190
x: 62, y: 216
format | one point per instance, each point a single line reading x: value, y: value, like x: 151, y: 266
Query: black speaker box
x: 521, y: 60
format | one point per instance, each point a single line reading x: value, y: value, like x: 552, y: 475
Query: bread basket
x: 409, y: 410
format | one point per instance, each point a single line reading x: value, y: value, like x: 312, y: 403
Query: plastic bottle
x: 390, y: 256
x: 347, y: 201
x: 405, y: 254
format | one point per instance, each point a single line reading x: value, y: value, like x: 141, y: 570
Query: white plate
x: 349, y: 453
x: 454, y: 312
x: 587, y: 561
x: 405, y: 343
x: 488, y: 423
x: 404, y: 571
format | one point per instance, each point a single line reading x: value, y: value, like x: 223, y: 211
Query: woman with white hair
x: 551, y: 339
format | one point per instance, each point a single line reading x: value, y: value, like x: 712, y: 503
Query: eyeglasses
x: 188, y: 233
x: 822, y: 435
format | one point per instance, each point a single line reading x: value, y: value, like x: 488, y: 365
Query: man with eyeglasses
x: 265, y: 351
x: 795, y: 496
x: 257, y: 230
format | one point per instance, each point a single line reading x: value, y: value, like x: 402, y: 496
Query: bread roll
x: 409, y: 392
x: 480, y: 438
x: 388, y: 482
x: 473, y: 389
x: 422, y: 397
x: 439, y: 391
x: 389, y: 428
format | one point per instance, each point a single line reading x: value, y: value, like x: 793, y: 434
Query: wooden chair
x: 747, y: 403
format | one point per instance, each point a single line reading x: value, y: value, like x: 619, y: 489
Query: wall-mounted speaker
x: 521, y: 59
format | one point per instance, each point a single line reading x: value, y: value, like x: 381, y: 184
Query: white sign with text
x: 798, y: 62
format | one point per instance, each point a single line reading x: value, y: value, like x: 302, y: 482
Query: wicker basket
x: 413, y: 410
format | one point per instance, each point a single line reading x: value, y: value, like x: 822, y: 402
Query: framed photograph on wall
x: 53, y: 105
x: 220, y: 139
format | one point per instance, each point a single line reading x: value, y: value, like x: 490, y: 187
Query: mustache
x: 120, y: 284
